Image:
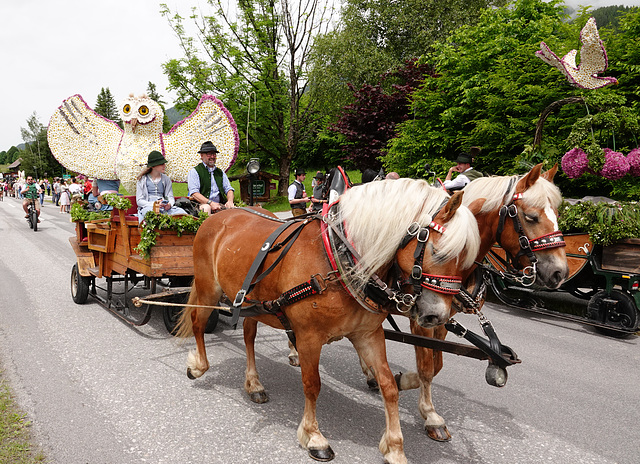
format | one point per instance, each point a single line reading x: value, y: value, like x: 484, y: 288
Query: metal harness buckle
x: 239, y: 298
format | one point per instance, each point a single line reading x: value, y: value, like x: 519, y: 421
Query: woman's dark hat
x: 319, y: 176
x: 208, y: 147
x: 155, y: 159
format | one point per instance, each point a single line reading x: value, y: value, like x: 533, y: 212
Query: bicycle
x: 32, y: 215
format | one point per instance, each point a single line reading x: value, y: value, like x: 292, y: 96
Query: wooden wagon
x: 606, y: 277
x: 106, y: 251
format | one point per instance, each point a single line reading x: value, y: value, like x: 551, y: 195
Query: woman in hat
x: 155, y: 186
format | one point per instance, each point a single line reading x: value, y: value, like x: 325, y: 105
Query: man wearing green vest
x: 465, y: 173
x: 208, y: 185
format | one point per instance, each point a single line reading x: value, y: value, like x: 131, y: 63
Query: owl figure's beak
x: 134, y: 124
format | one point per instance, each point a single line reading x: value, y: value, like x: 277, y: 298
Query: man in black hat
x: 208, y: 185
x: 298, y: 198
x: 465, y: 173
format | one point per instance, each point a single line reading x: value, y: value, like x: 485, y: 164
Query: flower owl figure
x: 85, y: 142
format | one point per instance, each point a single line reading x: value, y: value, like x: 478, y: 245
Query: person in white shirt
x: 465, y: 173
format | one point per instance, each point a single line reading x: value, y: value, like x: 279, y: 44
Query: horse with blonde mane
x: 376, y: 219
x: 501, y: 205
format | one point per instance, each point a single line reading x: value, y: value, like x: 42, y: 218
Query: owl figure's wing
x: 82, y: 140
x: 210, y: 121
x: 593, y: 60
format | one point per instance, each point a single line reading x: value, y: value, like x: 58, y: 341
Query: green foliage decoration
x: 605, y: 223
x: 79, y: 213
x: 116, y: 201
x: 153, y: 223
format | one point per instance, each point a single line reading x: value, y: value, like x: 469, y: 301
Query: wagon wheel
x: 511, y: 296
x: 79, y: 285
x: 171, y: 315
x: 617, y: 309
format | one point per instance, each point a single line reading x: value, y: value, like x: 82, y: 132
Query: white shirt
x: 459, y: 182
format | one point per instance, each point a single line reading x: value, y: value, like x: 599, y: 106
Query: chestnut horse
x: 534, y: 199
x: 376, y: 217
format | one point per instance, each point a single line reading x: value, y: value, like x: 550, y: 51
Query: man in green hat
x: 207, y: 184
x: 465, y: 173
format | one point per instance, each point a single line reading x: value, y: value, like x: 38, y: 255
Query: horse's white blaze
x: 551, y: 215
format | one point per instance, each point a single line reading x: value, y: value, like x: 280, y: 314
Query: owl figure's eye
x: 126, y: 109
x: 143, y: 110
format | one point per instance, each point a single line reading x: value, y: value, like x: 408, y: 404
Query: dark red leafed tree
x: 370, y: 122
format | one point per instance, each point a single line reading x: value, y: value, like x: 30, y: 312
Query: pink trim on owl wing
x: 226, y: 112
x: 88, y: 107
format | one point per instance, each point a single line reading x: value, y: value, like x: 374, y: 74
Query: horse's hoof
x: 439, y: 433
x: 294, y: 361
x: 323, y: 455
x: 398, y: 378
x: 259, y: 397
x: 189, y: 374
x: 373, y: 384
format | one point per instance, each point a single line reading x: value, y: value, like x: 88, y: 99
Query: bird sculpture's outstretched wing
x: 210, y: 121
x: 593, y: 60
x: 82, y: 140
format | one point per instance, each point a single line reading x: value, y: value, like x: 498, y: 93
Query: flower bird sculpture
x: 85, y: 142
x: 593, y: 60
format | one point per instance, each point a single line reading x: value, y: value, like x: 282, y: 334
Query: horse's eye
x: 531, y: 219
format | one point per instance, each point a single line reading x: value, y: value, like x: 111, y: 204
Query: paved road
x: 99, y: 391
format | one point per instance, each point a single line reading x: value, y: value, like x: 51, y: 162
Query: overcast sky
x: 53, y: 49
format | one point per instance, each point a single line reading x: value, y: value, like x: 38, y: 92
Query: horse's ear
x: 452, y: 206
x: 550, y: 174
x: 530, y: 179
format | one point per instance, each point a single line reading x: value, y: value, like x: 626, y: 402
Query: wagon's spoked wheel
x: 171, y: 315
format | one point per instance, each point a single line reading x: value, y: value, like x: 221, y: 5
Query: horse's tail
x: 184, y: 328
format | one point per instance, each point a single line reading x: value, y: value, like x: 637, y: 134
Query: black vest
x: 298, y: 195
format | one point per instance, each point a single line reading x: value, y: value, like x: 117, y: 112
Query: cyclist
x: 31, y: 191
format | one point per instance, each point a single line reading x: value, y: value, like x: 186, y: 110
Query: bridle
x: 525, y: 276
x: 447, y: 285
x: 376, y: 290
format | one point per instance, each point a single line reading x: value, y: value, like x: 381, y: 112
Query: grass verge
x: 15, y: 442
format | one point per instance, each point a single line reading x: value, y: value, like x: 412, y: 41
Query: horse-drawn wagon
x: 107, y: 250
x: 605, y: 277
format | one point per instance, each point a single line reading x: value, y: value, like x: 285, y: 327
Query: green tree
x: 3, y: 157
x: 155, y: 96
x: 490, y: 91
x: 375, y: 37
x: 37, y: 158
x: 106, y: 106
x: 12, y: 154
x: 255, y: 61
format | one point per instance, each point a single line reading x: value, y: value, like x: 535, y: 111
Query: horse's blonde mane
x: 377, y: 215
x: 494, y: 190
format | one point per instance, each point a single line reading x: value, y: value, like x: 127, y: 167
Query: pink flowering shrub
x: 633, y: 158
x: 575, y: 163
x: 615, y: 166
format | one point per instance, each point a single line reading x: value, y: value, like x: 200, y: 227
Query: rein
x: 525, y: 276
